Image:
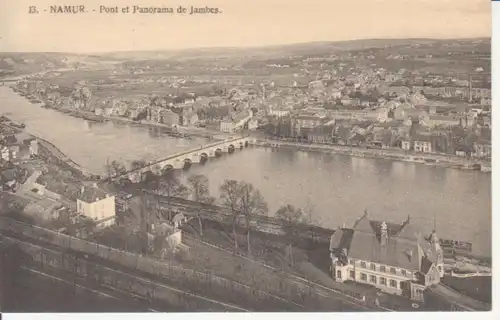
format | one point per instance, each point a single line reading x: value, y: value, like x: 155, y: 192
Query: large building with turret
x: 395, y: 258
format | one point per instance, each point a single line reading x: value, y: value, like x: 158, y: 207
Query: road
x: 146, y: 279
x: 32, y: 295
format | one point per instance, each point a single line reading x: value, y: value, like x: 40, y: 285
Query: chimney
x: 82, y: 190
x: 383, y: 234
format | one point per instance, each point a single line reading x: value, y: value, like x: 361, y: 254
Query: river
x: 92, y: 144
x: 339, y: 187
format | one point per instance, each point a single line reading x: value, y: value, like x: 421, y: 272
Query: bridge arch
x: 147, y: 176
x: 124, y: 181
x: 203, y: 158
x: 218, y: 152
x: 187, y: 164
x: 166, y: 168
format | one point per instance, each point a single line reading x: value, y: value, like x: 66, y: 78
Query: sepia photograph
x: 245, y: 156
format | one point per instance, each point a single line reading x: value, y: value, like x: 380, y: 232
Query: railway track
x: 221, y: 214
x: 118, y: 280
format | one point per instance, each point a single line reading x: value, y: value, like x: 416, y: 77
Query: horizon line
x: 251, y: 46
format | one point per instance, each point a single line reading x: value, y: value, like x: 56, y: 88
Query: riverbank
x: 439, y: 160
x: 178, y: 132
x: 49, y: 152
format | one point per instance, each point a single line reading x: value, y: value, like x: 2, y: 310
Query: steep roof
x: 405, y: 246
x: 92, y: 194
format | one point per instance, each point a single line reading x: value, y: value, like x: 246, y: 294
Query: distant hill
x: 313, y: 48
x: 24, y: 63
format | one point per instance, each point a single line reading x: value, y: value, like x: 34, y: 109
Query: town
x: 177, y: 245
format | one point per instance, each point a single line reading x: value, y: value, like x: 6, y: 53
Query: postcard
x: 245, y: 156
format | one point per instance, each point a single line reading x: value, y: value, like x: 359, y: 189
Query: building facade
x: 377, y: 115
x: 422, y: 146
x: 394, y: 258
x: 96, y: 205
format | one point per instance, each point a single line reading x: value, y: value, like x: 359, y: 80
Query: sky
x: 242, y: 23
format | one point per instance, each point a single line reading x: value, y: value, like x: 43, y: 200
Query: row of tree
x: 243, y: 199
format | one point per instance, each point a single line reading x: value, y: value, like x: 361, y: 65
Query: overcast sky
x: 242, y: 23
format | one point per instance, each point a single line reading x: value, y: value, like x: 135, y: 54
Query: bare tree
x: 198, y: 185
x: 290, y: 217
x: 86, y: 95
x: 251, y: 204
x: 115, y: 168
x: 308, y: 218
x: 170, y: 186
x: 230, y: 192
x: 137, y: 164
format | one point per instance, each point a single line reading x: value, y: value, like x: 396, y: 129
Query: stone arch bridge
x: 185, y: 158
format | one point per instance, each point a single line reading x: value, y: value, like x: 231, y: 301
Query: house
x: 237, y: 122
x: 279, y: 112
x: 321, y: 134
x: 334, y: 93
x: 392, y: 257
x: 178, y: 220
x: 464, y: 151
x: 171, y: 234
x: 439, y: 120
x: 303, y: 123
x: 227, y: 125
x: 95, y: 204
x: 405, y: 111
x: 397, y: 91
x: 189, y: 118
x: 253, y: 124
x: 383, y: 136
x: 405, y: 145
x: 422, y: 144
x: 482, y: 149
x: 378, y: 115
x: 347, y: 101
x: 9, y: 153
x: 168, y: 117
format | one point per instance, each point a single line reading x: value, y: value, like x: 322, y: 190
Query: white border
x: 394, y: 315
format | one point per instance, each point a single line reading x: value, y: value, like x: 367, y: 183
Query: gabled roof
x: 92, y: 194
x: 404, y: 248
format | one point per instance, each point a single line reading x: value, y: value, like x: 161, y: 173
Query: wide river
x: 338, y: 188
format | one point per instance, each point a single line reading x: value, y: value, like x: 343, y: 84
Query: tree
x: 137, y: 164
x: 115, y: 168
x: 230, y: 192
x: 170, y: 186
x: 251, y: 204
x: 308, y: 218
x: 86, y: 95
x: 290, y: 217
x: 88, y: 227
x: 198, y: 185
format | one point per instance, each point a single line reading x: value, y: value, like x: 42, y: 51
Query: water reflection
x: 340, y: 187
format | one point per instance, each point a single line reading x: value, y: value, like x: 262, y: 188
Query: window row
x: 373, y: 279
x: 373, y: 267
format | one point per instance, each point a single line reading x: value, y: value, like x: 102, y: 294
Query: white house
x: 97, y: 205
x: 279, y: 112
x: 395, y: 258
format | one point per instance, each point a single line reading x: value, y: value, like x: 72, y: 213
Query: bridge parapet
x: 196, y: 155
